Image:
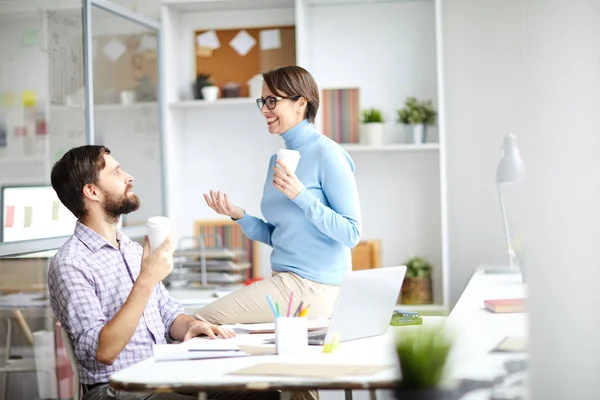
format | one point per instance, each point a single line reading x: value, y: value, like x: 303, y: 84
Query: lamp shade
x: 511, y: 168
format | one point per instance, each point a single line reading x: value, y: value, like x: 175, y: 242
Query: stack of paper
x: 198, y: 348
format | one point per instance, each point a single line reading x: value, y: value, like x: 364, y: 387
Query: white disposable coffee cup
x: 290, y: 158
x: 159, y: 228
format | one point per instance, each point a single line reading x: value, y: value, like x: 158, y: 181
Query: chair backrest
x: 68, y: 343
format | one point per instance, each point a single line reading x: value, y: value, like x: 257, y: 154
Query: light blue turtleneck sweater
x: 311, y: 235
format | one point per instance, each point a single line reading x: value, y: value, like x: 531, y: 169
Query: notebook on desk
x: 499, y: 306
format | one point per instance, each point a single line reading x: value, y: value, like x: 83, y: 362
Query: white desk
x: 478, y: 331
x: 211, y: 375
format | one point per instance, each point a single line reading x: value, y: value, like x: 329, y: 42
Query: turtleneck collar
x: 299, y: 134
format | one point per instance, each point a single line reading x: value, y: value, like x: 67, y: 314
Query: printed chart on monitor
x: 33, y: 212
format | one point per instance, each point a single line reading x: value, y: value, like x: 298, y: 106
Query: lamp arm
x: 511, y: 252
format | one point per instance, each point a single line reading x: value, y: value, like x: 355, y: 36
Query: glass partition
x: 126, y: 109
x: 42, y: 112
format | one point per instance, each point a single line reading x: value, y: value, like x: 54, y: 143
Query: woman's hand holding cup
x: 220, y: 203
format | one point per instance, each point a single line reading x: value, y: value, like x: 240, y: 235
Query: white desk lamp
x: 511, y: 169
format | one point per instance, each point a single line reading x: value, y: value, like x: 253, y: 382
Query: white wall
x: 483, y: 59
x: 225, y: 148
x: 562, y: 194
x: 531, y: 67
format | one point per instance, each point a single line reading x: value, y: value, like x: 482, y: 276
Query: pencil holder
x: 291, y: 335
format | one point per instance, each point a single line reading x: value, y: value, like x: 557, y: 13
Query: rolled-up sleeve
x: 74, y: 302
x: 169, y: 308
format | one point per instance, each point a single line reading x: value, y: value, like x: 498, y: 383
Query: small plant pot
x: 416, y: 134
x: 371, y: 134
x: 423, y: 394
x: 416, y: 290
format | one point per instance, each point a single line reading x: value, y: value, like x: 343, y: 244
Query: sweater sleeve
x: 256, y: 229
x: 341, y: 220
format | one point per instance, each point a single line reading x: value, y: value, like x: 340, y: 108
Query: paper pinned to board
x: 242, y: 43
x: 208, y: 39
x: 311, y: 370
x: 148, y: 42
x: 270, y: 39
x: 114, y: 49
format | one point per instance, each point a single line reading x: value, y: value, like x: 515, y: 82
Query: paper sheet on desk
x: 172, y: 352
x: 201, y: 343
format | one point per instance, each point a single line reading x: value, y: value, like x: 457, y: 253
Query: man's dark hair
x: 79, y: 166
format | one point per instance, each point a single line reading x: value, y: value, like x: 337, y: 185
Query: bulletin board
x: 225, y: 64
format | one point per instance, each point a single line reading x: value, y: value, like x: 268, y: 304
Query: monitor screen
x: 33, y: 212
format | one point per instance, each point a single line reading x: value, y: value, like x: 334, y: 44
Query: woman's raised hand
x: 220, y: 203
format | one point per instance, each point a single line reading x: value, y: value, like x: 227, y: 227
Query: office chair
x: 72, y: 360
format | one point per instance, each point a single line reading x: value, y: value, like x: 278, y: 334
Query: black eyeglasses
x: 271, y: 101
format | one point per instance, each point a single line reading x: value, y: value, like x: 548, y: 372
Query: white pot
x: 210, y: 93
x: 415, y: 133
x: 127, y: 97
x: 255, y: 86
x: 371, y: 134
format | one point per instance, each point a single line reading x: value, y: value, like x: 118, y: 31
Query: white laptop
x: 364, y: 305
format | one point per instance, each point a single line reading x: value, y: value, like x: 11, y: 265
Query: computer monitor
x: 33, y: 212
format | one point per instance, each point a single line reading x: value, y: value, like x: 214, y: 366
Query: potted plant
x: 415, y: 116
x: 202, y: 80
x: 422, y: 355
x: 417, y: 286
x: 371, y: 132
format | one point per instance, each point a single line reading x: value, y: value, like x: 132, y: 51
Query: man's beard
x: 114, y: 207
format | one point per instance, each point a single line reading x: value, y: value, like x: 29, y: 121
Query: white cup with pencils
x: 291, y: 329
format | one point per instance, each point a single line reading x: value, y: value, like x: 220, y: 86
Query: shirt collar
x: 299, y: 134
x: 93, y: 240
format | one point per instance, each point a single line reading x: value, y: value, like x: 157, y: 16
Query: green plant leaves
x: 416, y: 112
x: 372, y: 115
x: 422, y: 354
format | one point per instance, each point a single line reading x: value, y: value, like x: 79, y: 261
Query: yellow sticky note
x: 333, y: 344
x: 28, y: 98
x: 9, y: 99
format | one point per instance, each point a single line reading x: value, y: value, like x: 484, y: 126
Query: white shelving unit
x: 245, y: 101
x: 355, y: 148
x: 401, y: 185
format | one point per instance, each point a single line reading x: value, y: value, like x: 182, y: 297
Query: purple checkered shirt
x: 89, y: 280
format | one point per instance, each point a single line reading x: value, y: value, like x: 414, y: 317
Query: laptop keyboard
x: 319, y: 337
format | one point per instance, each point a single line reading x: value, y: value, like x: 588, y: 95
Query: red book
x: 505, y: 305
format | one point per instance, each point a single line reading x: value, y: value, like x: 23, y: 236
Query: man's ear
x: 91, y: 191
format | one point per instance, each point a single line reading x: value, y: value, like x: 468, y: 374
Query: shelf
x: 107, y: 107
x: 123, y: 107
x: 390, y: 147
x: 423, y: 309
x: 220, y: 102
x: 222, y: 5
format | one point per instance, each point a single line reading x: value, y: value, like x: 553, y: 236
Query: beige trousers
x: 249, y: 305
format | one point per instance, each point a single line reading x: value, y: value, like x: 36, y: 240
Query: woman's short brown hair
x: 295, y: 81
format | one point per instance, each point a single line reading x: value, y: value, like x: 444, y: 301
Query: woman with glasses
x: 312, y: 215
